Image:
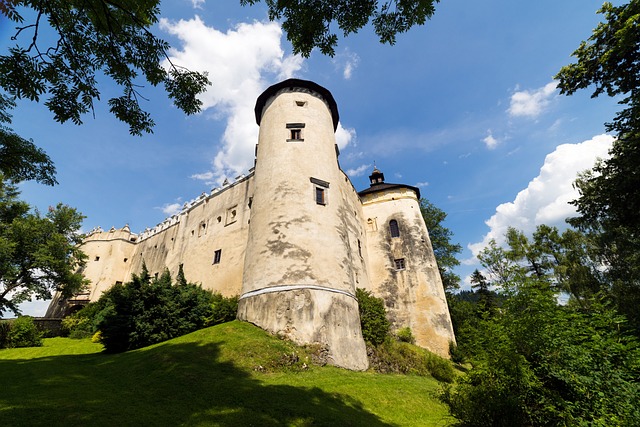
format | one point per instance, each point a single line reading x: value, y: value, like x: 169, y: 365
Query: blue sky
x: 464, y: 108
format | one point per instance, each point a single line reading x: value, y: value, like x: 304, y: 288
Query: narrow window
x: 295, y: 131
x: 217, y: 255
x: 360, y: 248
x: 399, y: 264
x: 393, y: 227
x: 320, y: 196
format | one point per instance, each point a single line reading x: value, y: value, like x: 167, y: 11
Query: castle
x: 294, y: 239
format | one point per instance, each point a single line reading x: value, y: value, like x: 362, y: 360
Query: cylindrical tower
x: 298, y: 281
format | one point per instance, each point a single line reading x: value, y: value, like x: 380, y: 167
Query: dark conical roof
x: 305, y: 84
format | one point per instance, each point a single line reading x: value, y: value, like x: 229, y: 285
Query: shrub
x: 24, y: 333
x: 405, y: 335
x: 404, y: 358
x: 225, y: 309
x: 144, y: 311
x: 373, y: 317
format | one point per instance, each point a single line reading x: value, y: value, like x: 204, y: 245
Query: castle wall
x: 403, y: 269
x: 210, y: 223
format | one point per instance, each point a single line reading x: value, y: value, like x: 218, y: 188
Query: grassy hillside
x: 228, y: 375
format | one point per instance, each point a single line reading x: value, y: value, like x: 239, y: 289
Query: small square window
x: 97, y: 258
x: 399, y: 264
x: 217, y: 255
x: 295, y: 131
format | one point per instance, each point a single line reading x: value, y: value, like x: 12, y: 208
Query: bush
x: 404, y: 358
x: 405, y: 335
x: 225, y: 309
x: 24, y: 333
x: 373, y: 317
x: 144, y: 311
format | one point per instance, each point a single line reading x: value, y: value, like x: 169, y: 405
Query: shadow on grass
x: 180, y: 384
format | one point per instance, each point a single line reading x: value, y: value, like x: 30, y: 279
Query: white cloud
x: 170, y: 209
x: 359, y: 171
x: 197, y: 4
x: 490, y: 141
x: 422, y: 184
x: 531, y: 103
x: 347, y: 61
x: 344, y: 136
x: 546, y: 198
x: 241, y: 63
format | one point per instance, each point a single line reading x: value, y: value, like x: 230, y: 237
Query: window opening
x: 320, y: 197
x: 97, y: 258
x: 393, y: 227
x: 360, y: 248
x: 295, y: 131
x: 217, y: 255
x: 399, y: 264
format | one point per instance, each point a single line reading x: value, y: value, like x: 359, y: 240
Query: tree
x: 308, y: 22
x: 38, y: 254
x: 444, y: 250
x: 609, y: 202
x: 94, y: 38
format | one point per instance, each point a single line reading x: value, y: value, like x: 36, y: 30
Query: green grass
x: 228, y: 375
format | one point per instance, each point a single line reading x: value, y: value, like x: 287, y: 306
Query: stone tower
x: 301, y: 264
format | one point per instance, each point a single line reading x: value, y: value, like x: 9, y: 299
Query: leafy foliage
x: 224, y: 309
x: 609, y: 202
x: 404, y: 358
x: 308, y: 23
x: 94, y: 37
x: 440, y: 236
x: 405, y: 335
x: 539, y: 363
x: 20, y: 332
x: 373, y: 317
x: 145, y: 311
x: 38, y: 254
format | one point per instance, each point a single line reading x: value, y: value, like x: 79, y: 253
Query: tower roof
x: 377, y: 184
x: 292, y: 83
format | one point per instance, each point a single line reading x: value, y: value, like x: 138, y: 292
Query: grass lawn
x: 227, y: 375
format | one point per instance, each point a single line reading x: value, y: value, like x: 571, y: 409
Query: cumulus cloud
x: 422, y: 184
x: 241, y: 63
x: 546, y: 198
x: 531, y: 103
x: 490, y: 141
x: 197, y: 4
x: 344, y: 136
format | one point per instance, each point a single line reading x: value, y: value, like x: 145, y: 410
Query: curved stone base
x: 309, y: 316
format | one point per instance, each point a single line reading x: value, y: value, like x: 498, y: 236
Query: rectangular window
x: 217, y: 255
x: 295, y: 131
x: 320, y: 196
x: 399, y: 264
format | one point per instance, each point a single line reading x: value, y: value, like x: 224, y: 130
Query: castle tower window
x: 97, y: 258
x: 217, y: 256
x: 393, y: 227
x: 360, y: 248
x: 320, y: 196
x: 295, y: 131
x: 399, y: 263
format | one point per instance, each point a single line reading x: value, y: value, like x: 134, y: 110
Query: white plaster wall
x: 414, y: 297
